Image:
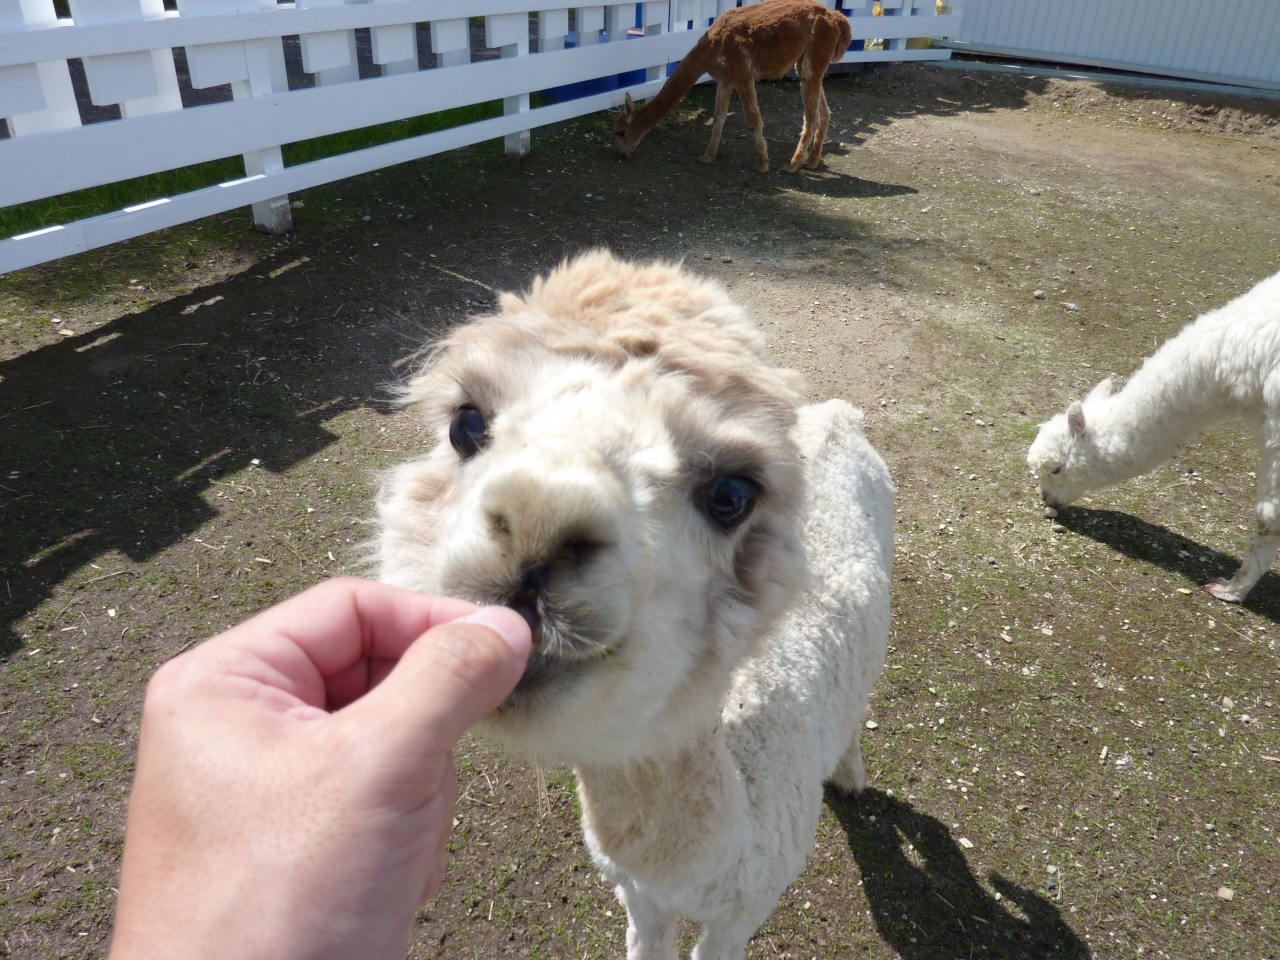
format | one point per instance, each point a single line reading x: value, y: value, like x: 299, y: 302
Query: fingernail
x: 507, y: 624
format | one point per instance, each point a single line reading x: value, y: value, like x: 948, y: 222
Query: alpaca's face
x: 625, y: 138
x: 648, y: 533
x: 1061, y: 462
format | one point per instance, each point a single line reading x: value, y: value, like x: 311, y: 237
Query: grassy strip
x: 94, y: 201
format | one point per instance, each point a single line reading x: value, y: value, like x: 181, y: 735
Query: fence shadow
x: 1152, y: 543
x: 113, y: 438
x: 926, y: 903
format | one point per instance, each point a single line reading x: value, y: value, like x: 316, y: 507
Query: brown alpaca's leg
x: 809, y: 91
x: 723, y: 92
x: 747, y: 92
x: 824, y: 118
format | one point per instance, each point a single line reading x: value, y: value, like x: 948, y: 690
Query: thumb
x: 450, y: 677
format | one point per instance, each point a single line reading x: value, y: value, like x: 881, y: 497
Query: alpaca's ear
x: 1075, y: 419
x: 1101, y: 391
x: 629, y: 106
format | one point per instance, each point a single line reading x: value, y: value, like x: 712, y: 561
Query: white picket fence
x: 126, y: 47
x: 1221, y: 41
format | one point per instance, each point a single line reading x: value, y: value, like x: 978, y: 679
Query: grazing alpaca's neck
x: 680, y: 82
x: 1165, y: 406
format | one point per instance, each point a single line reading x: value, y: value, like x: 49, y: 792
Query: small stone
x: 1226, y: 893
x: 366, y: 218
x: 726, y: 259
x: 1186, y: 591
x: 1228, y: 702
x: 66, y: 332
x: 297, y: 205
x: 872, y: 725
x: 1051, y: 868
x: 1058, y: 528
x: 1019, y: 774
x: 1071, y: 307
x: 973, y: 476
x: 966, y: 843
x: 1005, y: 637
x: 256, y: 462
x: 112, y: 613
x: 1050, y: 513
x: 1022, y: 807
x: 1039, y: 294
x: 981, y: 423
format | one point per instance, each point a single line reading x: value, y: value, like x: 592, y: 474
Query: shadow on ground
x: 1152, y: 543
x: 116, y: 436
x: 925, y: 901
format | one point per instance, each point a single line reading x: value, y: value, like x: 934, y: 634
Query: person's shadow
x: 926, y: 903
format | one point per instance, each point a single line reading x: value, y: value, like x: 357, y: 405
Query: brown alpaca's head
x: 626, y: 132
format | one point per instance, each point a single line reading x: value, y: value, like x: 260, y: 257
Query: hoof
x: 708, y: 159
x: 762, y: 168
x: 791, y: 168
x: 1221, y: 588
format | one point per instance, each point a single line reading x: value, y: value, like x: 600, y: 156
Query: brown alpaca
x: 761, y: 41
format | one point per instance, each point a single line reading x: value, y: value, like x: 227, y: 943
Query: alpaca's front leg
x: 723, y: 92
x: 1266, y: 542
x: 755, y: 123
x: 651, y: 930
x: 1262, y: 550
x: 727, y: 939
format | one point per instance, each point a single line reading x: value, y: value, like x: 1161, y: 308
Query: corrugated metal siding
x: 1234, y: 41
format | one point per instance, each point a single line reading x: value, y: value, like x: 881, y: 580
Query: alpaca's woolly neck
x: 681, y: 81
x: 1187, y: 386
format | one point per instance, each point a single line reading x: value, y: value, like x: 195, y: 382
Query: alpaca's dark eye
x: 730, y: 500
x: 467, y: 432
x: 1056, y: 470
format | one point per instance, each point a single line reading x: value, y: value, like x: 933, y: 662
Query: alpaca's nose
x: 553, y: 506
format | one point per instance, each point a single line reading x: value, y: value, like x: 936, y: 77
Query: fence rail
x: 127, y: 49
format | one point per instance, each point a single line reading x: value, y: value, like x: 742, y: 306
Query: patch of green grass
x: 50, y: 211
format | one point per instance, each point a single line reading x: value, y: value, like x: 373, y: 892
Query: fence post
x: 553, y: 25
x: 254, y: 68
x: 894, y: 8
x: 655, y: 15
x: 395, y: 48
x: 619, y: 18
x: 587, y: 24
x: 35, y: 97
x: 451, y: 42
x: 331, y: 55
x: 141, y: 83
x: 509, y: 33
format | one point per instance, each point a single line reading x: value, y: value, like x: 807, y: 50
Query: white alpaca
x: 1224, y: 366
x: 625, y: 467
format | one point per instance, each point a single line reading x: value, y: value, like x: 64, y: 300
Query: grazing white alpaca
x: 1224, y: 366
x: 705, y: 564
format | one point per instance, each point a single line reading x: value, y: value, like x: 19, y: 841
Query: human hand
x: 294, y: 787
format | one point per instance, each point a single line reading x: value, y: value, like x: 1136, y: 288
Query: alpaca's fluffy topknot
x: 598, y: 307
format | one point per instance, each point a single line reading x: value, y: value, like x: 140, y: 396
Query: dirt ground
x: 1076, y: 749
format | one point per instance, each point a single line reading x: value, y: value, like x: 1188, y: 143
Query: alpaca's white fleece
x: 793, y: 714
x: 1224, y: 366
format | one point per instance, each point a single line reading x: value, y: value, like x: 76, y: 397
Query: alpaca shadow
x: 825, y: 182
x: 121, y: 439
x: 926, y: 903
x: 1151, y: 543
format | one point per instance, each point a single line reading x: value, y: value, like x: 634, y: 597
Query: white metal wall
x: 126, y: 47
x: 1225, y: 41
